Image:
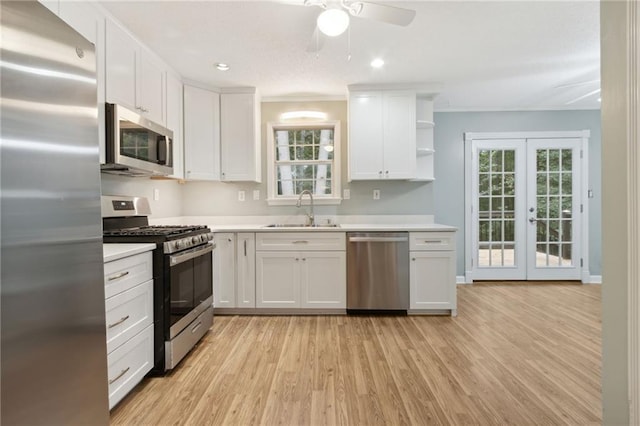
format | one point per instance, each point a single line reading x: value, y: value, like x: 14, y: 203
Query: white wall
x: 170, y: 191
x: 449, y: 165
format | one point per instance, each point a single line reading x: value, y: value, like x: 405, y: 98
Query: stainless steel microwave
x: 135, y: 145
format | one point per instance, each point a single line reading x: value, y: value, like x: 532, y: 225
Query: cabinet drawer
x: 128, y: 272
x: 300, y: 241
x: 432, y: 241
x: 128, y: 364
x: 128, y: 313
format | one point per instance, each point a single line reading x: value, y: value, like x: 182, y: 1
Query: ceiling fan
x: 334, y: 19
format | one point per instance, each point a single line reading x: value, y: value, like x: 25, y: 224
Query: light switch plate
x: 376, y: 194
x: 240, y: 195
x: 156, y: 194
x: 256, y: 194
x: 346, y: 194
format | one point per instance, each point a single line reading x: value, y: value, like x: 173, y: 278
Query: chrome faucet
x: 310, y: 215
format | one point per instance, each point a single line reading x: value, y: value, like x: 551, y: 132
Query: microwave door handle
x: 161, y: 149
x: 169, y: 151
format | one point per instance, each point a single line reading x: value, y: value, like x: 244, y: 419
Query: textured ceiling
x: 486, y: 55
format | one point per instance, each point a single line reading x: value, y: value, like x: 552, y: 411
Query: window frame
x: 273, y: 199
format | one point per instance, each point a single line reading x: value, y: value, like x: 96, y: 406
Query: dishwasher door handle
x: 378, y: 239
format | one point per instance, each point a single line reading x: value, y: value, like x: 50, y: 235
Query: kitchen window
x: 303, y: 156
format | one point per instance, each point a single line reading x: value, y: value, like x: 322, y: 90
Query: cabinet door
x: 399, y: 112
x: 365, y: 136
x: 121, y: 51
x: 323, y: 281
x: 246, y: 270
x: 150, y: 87
x: 239, y: 137
x: 224, y: 267
x: 201, y: 134
x: 174, y: 122
x: 277, y: 279
x: 432, y: 280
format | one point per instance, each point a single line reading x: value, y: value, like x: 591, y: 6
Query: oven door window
x: 182, y: 300
x: 203, y: 282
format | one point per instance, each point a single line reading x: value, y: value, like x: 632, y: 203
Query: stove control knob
x: 195, y: 240
x: 204, y: 238
x: 177, y: 245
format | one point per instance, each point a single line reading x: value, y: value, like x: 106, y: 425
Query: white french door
x: 525, y: 220
x: 553, y: 207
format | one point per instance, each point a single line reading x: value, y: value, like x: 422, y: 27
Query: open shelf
x: 421, y: 152
x: 424, y: 124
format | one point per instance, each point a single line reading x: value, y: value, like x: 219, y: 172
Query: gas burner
x: 154, y: 230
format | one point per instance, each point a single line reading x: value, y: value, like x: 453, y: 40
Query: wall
x: 215, y: 198
x: 448, y: 190
x: 170, y: 200
x: 616, y: 54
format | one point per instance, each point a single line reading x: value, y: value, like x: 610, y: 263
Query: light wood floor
x: 520, y: 354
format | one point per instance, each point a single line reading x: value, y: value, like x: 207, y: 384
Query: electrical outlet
x: 156, y: 194
x: 376, y: 194
x: 256, y: 194
x: 346, y: 194
x: 240, y: 195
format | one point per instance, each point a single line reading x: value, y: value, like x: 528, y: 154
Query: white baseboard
x: 460, y: 279
x: 595, y: 279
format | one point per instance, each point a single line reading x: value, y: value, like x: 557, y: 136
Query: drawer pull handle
x: 196, y: 327
x: 123, y: 319
x: 300, y: 242
x: 433, y: 241
x: 120, y: 275
x: 122, y: 373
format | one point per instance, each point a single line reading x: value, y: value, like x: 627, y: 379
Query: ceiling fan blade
x: 380, y: 12
x: 316, y: 42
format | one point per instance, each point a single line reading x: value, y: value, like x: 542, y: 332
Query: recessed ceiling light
x: 377, y: 63
x: 222, y: 66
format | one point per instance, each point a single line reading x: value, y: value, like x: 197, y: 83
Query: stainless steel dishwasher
x: 377, y: 271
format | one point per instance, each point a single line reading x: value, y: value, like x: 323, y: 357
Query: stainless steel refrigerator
x: 53, y: 349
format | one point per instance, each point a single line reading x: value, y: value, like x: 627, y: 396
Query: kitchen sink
x: 300, y: 225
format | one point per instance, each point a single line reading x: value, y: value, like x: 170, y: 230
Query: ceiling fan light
x: 333, y: 22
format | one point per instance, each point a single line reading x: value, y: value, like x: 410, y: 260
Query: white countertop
x: 346, y: 227
x: 112, y: 252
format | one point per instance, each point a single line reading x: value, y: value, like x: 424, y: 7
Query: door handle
x: 532, y: 220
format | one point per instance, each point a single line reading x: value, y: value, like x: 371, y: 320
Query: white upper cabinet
x: 382, y: 134
x: 201, y: 134
x: 174, y: 123
x: 135, y: 78
x: 240, y: 158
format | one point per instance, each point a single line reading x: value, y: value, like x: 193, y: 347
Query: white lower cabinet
x: 432, y: 281
x: 246, y: 270
x: 307, y: 279
x: 224, y: 267
x: 277, y: 279
x: 323, y: 280
x: 234, y: 270
x: 129, y: 322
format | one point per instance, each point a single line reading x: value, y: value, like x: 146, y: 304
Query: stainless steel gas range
x: 182, y: 270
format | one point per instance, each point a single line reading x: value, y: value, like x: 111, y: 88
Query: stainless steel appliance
x: 53, y: 338
x: 182, y: 273
x: 377, y: 271
x: 135, y: 145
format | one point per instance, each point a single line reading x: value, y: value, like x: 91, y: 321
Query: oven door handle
x: 176, y: 259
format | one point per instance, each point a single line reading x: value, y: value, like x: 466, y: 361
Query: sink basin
x: 300, y: 225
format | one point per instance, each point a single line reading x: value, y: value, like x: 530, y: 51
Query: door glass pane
x: 554, y: 207
x: 496, y: 207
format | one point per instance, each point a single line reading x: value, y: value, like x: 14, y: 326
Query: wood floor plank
x: 517, y: 353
